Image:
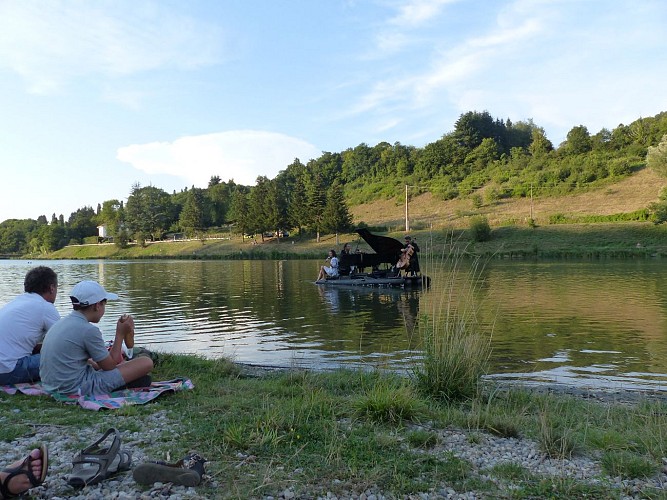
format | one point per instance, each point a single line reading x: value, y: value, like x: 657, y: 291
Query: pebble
x: 483, y: 452
x: 63, y: 445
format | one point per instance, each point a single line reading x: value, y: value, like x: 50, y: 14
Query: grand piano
x: 387, y: 251
x: 381, y: 265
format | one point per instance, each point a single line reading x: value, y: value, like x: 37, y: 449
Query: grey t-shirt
x: 65, y: 352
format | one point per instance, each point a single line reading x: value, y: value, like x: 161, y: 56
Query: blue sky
x: 96, y: 96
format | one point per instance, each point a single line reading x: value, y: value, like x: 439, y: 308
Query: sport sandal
x: 186, y: 472
x: 95, y: 463
x: 25, y: 468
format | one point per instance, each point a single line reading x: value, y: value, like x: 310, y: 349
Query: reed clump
x: 455, y: 346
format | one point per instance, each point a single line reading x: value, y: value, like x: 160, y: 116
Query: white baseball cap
x: 86, y: 293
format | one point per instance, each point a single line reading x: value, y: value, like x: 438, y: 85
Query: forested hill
x: 483, y: 162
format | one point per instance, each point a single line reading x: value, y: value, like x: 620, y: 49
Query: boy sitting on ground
x: 75, y: 359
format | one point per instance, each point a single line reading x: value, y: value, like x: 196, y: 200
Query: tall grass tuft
x: 455, y: 347
x: 389, y: 403
x: 556, y: 438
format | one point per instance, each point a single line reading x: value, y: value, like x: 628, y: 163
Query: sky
x: 97, y: 96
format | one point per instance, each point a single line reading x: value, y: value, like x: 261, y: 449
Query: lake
x: 587, y: 324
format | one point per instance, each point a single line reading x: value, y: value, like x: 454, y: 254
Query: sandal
x: 25, y: 469
x: 95, y: 463
x: 186, y: 472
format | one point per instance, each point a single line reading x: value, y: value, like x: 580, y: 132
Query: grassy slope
x: 630, y: 194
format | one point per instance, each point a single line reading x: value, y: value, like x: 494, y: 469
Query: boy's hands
x: 125, y: 327
x: 125, y: 318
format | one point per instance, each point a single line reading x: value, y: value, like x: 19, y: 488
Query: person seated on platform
x: 331, y: 270
x: 19, y: 477
x: 412, y: 249
x: 75, y: 359
x: 344, y: 261
x: 23, y: 323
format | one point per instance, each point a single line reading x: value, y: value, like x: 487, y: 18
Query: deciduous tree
x: 149, y: 212
x: 578, y: 140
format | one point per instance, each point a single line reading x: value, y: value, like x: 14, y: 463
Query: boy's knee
x: 146, y: 363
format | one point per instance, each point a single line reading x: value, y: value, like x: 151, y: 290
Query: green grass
x: 350, y: 430
x: 628, y: 465
x: 422, y: 439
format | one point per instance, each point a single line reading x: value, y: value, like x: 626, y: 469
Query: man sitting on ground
x: 23, y: 323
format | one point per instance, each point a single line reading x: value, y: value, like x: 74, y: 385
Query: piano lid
x: 383, y: 245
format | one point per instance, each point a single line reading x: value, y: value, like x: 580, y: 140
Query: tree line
x: 483, y: 158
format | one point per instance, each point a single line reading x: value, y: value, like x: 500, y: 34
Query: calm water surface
x: 589, y: 324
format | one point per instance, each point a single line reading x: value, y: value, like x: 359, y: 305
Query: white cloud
x: 527, y: 62
x: 451, y: 66
x: 416, y: 12
x: 51, y: 43
x: 241, y: 155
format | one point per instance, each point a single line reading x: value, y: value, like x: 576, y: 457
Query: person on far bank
x: 332, y: 269
x: 75, y: 359
x: 23, y: 323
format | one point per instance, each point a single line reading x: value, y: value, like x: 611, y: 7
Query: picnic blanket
x: 116, y: 399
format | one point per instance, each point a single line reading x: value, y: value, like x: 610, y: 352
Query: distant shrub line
x: 641, y: 215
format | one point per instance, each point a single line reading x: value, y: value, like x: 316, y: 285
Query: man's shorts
x: 26, y: 370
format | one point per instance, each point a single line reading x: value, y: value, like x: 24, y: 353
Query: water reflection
x: 591, y: 323
x: 579, y: 323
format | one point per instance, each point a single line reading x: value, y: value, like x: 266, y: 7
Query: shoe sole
x: 149, y: 473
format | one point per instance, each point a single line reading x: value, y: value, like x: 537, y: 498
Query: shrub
x: 557, y: 219
x: 620, y: 167
x: 492, y: 195
x: 480, y: 229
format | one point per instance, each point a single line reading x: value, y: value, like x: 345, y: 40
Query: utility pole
x: 407, y: 220
x: 531, y: 201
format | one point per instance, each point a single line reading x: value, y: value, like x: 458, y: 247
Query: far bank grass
x: 347, y: 431
x: 623, y: 240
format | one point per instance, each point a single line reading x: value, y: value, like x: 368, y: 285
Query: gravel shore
x: 151, y: 441
x: 483, y: 452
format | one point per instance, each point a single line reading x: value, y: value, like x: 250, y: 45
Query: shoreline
x: 171, y: 426
x: 608, y: 395
x: 624, y: 240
